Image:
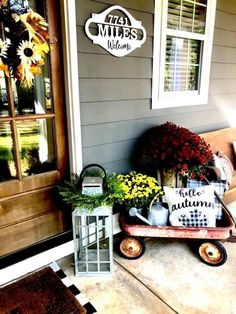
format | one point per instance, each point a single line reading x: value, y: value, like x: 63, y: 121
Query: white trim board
x: 68, y: 14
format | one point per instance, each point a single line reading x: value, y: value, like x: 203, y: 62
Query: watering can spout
x: 133, y: 212
x: 157, y: 216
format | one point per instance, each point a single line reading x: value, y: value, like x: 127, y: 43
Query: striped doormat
x: 47, y: 290
x: 76, y: 292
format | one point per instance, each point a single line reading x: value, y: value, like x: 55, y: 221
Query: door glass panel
x: 7, y: 164
x: 4, y: 109
x: 4, y: 103
x: 37, y: 99
x: 36, y: 146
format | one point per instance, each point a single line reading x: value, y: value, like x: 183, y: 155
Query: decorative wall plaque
x: 116, y: 30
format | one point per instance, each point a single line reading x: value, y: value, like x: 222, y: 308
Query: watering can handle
x: 153, y: 200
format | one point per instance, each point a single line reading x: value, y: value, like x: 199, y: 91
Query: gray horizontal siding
x: 105, y: 133
x: 114, y: 89
x: 129, y: 110
x: 119, y: 166
x: 227, y: 6
x: 221, y: 70
x: 224, y: 38
x: 224, y: 54
x: 126, y: 67
x: 222, y: 86
x: 143, y: 5
x: 108, y: 152
x: 115, y: 93
x: 225, y: 20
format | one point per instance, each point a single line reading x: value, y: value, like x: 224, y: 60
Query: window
x: 183, y: 35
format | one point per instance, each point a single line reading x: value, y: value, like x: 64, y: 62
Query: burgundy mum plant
x: 171, y: 147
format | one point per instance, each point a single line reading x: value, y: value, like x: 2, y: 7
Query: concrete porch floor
x: 168, y: 278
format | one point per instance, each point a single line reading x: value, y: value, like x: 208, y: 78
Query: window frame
x: 160, y: 98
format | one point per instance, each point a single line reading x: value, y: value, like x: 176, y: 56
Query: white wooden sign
x: 118, y: 33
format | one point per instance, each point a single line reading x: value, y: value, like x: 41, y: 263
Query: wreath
x: 24, y: 42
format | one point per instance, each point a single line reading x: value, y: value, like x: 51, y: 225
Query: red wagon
x: 210, y: 250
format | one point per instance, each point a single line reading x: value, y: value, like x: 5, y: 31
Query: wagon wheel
x: 212, y: 253
x: 131, y: 247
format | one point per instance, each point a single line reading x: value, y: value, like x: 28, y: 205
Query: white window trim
x: 68, y: 14
x: 161, y: 99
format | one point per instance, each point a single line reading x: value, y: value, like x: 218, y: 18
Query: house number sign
x: 118, y: 33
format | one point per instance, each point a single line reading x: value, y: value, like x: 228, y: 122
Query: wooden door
x: 33, y: 148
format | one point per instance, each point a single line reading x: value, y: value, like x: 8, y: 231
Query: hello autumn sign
x: 116, y: 30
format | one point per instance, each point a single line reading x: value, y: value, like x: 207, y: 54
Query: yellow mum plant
x: 139, y: 189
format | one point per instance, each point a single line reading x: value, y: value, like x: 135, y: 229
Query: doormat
x: 47, y: 291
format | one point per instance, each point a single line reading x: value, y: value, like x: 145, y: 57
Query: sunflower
x: 43, y: 49
x: 36, y: 70
x: 4, y: 68
x: 3, y: 54
x: 24, y: 75
x: 28, y: 53
x: 3, y: 48
x: 29, y: 56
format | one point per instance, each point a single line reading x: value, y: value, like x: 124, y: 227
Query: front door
x: 33, y: 158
